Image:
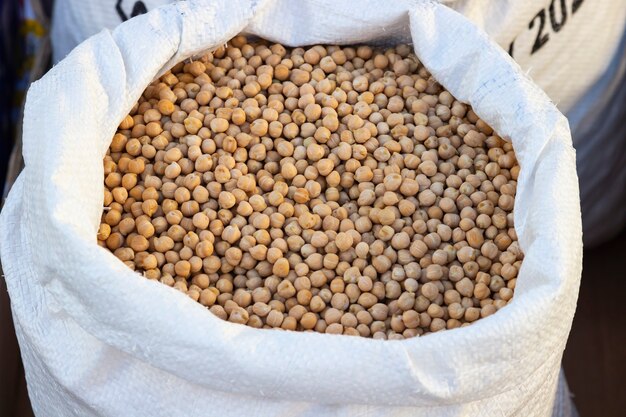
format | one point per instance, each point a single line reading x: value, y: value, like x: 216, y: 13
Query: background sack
x: 575, y: 50
x: 99, y: 340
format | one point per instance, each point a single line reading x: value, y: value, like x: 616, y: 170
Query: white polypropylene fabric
x: 99, y: 340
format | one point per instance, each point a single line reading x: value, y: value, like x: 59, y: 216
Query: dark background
x: 10, y: 57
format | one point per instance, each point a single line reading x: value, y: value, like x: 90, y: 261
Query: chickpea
x: 333, y: 189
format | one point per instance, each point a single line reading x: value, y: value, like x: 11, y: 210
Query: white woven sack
x: 99, y: 340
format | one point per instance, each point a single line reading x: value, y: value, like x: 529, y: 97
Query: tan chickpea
x: 332, y: 189
x: 343, y: 241
x: 226, y: 200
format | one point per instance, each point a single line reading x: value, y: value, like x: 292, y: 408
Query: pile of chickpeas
x: 335, y: 189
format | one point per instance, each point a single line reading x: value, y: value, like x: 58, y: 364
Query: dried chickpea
x: 333, y: 189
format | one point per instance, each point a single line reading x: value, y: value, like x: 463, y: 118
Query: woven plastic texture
x: 99, y: 340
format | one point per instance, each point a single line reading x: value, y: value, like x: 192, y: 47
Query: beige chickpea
x: 334, y: 189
